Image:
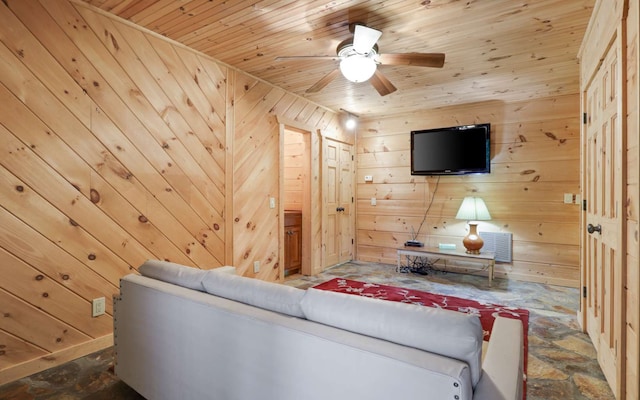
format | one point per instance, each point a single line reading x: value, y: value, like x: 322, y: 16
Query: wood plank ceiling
x: 496, y: 50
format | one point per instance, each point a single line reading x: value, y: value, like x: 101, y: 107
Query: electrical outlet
x: 97, y: 307
x: 256, y: 267
x: 368, y: 178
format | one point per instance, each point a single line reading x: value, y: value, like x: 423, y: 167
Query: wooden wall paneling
x: 18, y: 199
x: 19, y: 318
x: 193, y: 95
x: 80, y: 210
x: 65, y: 196
x: 51, y: 297
x: 256, y: 179
x: 139, y: 117
x: 43, y: 141
x: 530, y: 142
x: 530, y: 231
x: 294, y: 177
x: 317, y: 116
x: 127, y: 119
x: 40, y: 253
x: 201, y: 138
x: 499, y: 113
x: 17, y: 351
x: 201, y: 135
x: 550, y: 211
x: 229, y: 214
x: 316, y: 206
x: 519, y: 191
x: 295, y: 108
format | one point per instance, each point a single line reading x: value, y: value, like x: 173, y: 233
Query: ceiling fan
x: 359, y: 59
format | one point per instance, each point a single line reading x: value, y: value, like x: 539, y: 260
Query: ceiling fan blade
x: 435, y: 60
x: 318, y: 86
x: 286, y: 58
x: 364, y: 38
x: 382, y: 84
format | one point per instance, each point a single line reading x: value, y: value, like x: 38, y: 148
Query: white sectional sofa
x: 184, y: 333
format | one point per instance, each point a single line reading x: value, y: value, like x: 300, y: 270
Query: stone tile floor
x: 562, y: 361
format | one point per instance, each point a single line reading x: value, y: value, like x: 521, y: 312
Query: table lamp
x: 473, y: 209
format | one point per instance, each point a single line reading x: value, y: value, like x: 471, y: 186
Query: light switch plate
x: 368, y: 178
x: 272, y: 202
x: 374, y: 201
x: 568, y: 198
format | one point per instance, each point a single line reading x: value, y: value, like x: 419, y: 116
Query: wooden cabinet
x: 292, y: 242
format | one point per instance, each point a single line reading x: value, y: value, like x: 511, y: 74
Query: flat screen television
x: 456, y: 150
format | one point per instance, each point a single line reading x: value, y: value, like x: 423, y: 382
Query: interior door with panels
x: 603, y: 233
x: 338, y: 195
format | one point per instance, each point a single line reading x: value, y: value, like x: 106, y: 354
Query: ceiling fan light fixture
x: 358, y: 67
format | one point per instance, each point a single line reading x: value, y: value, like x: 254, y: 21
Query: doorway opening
x: 297, y: 201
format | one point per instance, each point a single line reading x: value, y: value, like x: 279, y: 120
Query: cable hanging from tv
x: 414, y: 242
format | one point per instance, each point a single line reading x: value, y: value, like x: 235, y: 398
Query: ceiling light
x: 358, y: 67
x: 351, y: 122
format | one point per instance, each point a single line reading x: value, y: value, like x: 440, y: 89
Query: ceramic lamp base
x: 473, y: 242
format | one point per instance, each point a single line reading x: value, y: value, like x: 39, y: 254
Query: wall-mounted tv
x: 455, y: 150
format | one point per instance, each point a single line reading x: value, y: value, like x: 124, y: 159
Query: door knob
x: 597, y: 228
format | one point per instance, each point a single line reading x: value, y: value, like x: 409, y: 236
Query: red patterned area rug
x: 486, y: 311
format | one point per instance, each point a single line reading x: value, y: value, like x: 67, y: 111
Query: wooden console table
x: 434, y: 252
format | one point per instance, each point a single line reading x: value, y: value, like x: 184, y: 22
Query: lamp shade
x: 473, y: 209
x: 358, y: 68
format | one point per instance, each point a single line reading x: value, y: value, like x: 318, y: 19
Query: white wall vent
x: 498, y: 243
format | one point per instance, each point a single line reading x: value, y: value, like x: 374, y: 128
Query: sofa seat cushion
x: 445, y: 332
x: 270, y: 296
x: 177, y: 274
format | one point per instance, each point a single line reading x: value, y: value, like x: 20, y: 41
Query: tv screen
x: 456, y: 150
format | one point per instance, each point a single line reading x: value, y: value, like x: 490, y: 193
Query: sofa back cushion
x: 270, y: 296
x: 448, y: 333
x: 177, y: 274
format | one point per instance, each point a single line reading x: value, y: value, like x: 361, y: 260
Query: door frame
x: 310, y: 260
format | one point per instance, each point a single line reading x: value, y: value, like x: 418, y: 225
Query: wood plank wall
x: 120, y: 146
x: 535, y: 149
x: 294, y: 176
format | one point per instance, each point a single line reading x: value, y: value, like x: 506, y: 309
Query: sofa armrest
x: 502, y: 369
